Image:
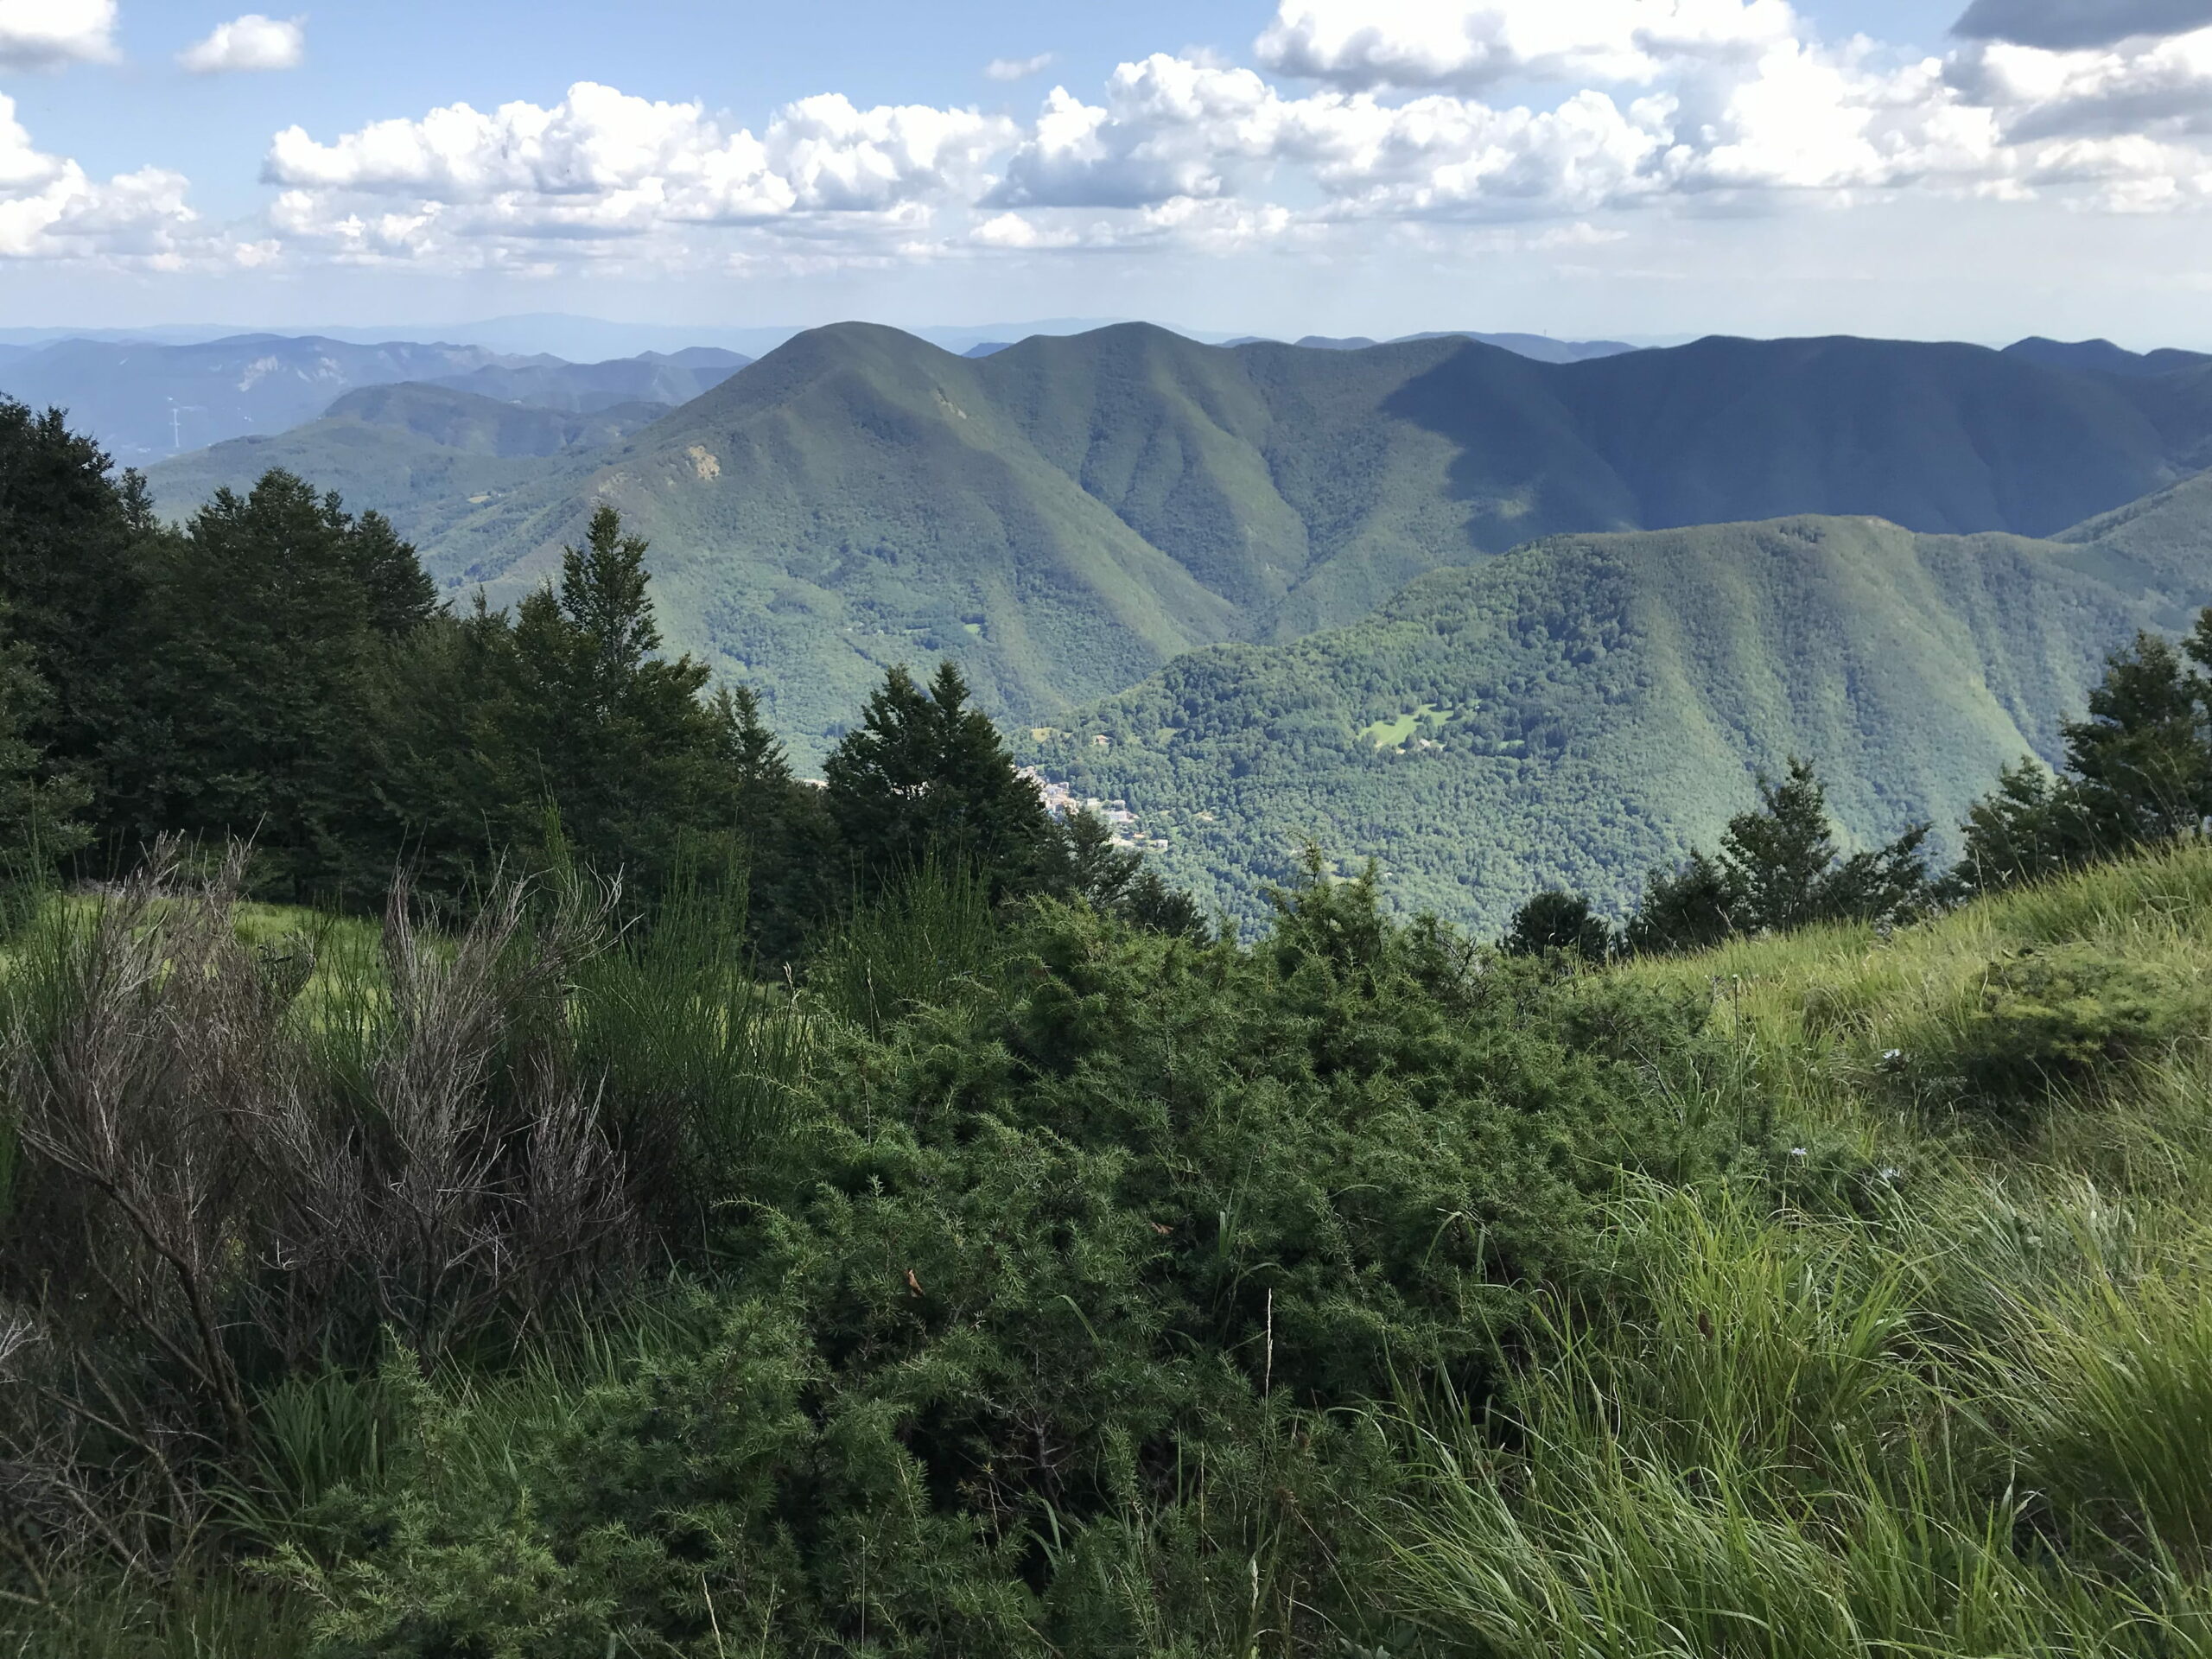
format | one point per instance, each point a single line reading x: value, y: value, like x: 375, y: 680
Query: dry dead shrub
x: 210, y: 1183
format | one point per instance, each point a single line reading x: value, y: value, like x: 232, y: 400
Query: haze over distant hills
x: 148, y: 399
x: 1542, y: 347
x: 145, y: 402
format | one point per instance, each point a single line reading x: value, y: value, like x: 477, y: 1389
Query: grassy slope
x: 1950, y: 1397
x: 1610, y: 696
x: 1923, y: 1387
x: 1066, y: 515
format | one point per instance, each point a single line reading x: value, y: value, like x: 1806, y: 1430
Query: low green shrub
x: 2065, y: 1015
x: 1039, y: 1337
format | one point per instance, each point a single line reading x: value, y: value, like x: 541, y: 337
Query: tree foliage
x: 1554, y: 922
x: 925, y: 775
x: 2137, y: 770
x: 1780, y: 868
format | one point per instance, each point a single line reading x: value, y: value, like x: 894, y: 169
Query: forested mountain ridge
x: 1588, y: 707
x: 665, y: 377
x: 1062, y: 517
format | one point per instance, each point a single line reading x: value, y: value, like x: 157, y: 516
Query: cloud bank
x: 2063, y: 25
x: 1353, y: 118
x: 35, y: 34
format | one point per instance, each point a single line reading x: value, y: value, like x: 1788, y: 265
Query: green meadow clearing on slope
x: 1588, y: 708
x: 1064, y: 517
x: 1342, y: 1293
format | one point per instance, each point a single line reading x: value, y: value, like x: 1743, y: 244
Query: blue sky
x: 1580, y: 166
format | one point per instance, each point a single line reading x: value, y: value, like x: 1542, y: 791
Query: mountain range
x: 1542, y: 347
x: 1587, y: 707
x: 147, y: 399
x: 144, y: 401
x: 1269, y: 577
x: 1065, y: 516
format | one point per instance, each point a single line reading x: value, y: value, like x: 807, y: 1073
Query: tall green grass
x: 700, y: 1061
x: 930, y: 938
x: 1968, y: 1412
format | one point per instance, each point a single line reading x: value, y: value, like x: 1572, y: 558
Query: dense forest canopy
x: 1586, y: 707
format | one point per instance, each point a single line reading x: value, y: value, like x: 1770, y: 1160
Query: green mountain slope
x: 1587, y: 706
x: 666, y: 378
x: 1063, y: 516
x: 858, y: 498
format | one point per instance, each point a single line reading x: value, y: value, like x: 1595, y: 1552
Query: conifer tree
x: 1558, y: 921
x: 1692, y: 907
x: 1779, y: 868
x: 924, y: 776
x: 261, y: 632
x: 40, y: 821
x: 2137, y: 769
x: 593, y: 724
x: 70, y: 533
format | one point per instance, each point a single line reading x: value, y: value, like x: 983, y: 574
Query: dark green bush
x: 2058, y: 1017
x: 1037, y: 1335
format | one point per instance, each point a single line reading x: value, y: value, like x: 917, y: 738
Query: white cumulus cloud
x: 51, y: 209
x: 1169, y: 128
x: 1477, y: 43
x: 601, y: 165
x: 1434, y: 118
x: 249, y: 42
x: 1017, y: 68
x: 39, y: 32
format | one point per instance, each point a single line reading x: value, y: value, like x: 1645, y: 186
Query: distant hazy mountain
x: 1589, y: 706
x: 558, y: 334
x: 423, y: 454
x: 145, y: 401
x: 580, y: 338
x: 1542, y: 347
x: 458, y: 419
x: 2105, y: 357
x: 664, y: 377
